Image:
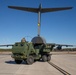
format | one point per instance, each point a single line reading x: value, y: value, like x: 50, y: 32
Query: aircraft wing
x: 59, y: 45
x: 6, y: 45
x: 54, y: 9
x: 24, y: 8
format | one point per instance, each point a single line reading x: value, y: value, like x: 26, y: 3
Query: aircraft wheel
x: 30, y: 60
x: 18, y: 61
x: 44, y: 58
x: 49, y: 58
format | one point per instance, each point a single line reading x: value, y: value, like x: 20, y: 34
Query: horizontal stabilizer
x: 54, y: 9
x: 36, y: 10
x: 24, y: 8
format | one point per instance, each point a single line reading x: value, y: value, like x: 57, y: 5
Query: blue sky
x: 56, y: 27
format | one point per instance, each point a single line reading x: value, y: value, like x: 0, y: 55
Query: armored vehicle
x: 30, y: 52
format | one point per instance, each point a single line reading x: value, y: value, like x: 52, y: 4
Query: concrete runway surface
x: 64, y: 61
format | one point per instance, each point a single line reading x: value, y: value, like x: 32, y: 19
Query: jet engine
x: 59, y: 47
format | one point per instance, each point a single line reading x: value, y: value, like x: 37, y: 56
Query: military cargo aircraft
x: 39, y: 48
x: 38, y: 39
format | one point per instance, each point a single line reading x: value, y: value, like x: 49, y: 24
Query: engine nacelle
x: 59, y: 47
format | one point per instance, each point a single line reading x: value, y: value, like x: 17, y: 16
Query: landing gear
x: 18, y: 61
x: 30, y: 60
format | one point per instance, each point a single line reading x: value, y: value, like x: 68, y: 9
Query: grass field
x: 62, y: 50
x: 5, y: 50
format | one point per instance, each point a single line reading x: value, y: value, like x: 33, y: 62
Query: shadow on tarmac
x: 10, y: 62
x: 13, y: 62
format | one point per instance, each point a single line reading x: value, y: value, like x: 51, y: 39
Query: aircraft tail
x: 39, y: 11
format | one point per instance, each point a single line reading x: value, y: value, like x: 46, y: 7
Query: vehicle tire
x: 18, y: 61
x: 49, y: 58
x: 44, y: 58
x: 30, y: 60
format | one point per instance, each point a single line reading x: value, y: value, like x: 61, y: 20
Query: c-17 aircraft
x: 38, y: 39
x: 39, y: 11
x: 38, y: 48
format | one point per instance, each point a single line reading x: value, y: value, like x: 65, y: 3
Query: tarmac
x: 64, y: 61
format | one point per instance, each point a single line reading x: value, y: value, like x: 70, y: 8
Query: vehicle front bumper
x: 18, y: 56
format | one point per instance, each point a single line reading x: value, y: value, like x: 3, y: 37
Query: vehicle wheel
x: 44, y: 58
x: 18, y: 61
x: 49, y: 58
x: 30, y: 60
